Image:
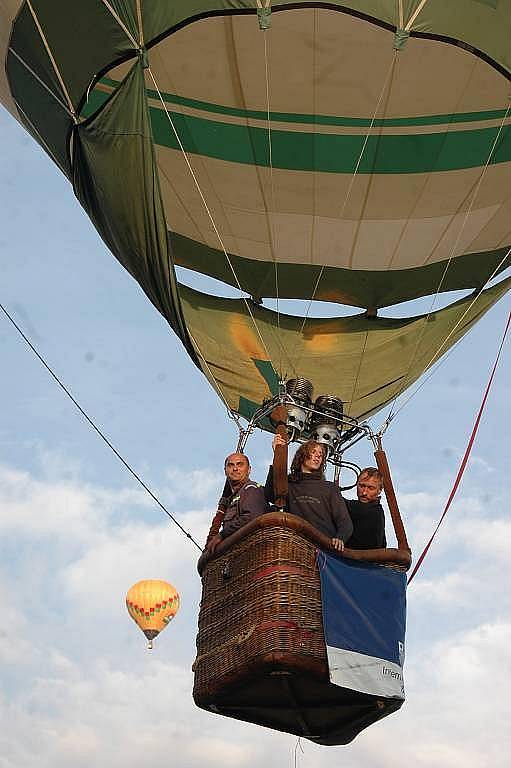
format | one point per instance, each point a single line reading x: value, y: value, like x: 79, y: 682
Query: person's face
x: 368, y: 489
x: 314, y: 460
x: 237, y: 468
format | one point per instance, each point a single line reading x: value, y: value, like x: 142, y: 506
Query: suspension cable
x: 283, y: 351
x: 466, y: 455
x: 359, y: 369
x: 218, y: 389
x: 347, y: 196
x: 215, y: 383
x: 97, y: 429
x: 272, y: 191
x: 477, y: 187
x: 434, y: 357
x: 434, y: 368
x: 209, y: 214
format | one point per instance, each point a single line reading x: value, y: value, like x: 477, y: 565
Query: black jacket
x: 318, y: 501
x: 368, y: 525
x: 243, y: 506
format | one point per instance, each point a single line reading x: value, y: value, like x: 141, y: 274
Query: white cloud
x: 77, y: 678
x: 479, y: 461
x: 197, y: 484
x: 61, y: 510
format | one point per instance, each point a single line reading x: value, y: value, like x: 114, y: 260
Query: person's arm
x: 350, y: 506
x: 268, y: 488
x: 340, y: 516
x: 213, y: 543
x: 214, y: 537
x: 380, y: 529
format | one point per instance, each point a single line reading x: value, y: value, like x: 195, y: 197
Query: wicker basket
x: 261, y: 654
x: 261, y: 599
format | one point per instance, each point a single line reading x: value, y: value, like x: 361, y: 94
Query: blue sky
x: 77, y: 531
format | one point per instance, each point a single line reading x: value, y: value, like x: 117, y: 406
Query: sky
x: 77, y: 686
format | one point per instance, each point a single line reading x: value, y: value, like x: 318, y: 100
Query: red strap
x: 215, y: 525
x: 468, y: 450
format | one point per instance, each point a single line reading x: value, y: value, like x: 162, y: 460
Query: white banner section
x: 365, y: 673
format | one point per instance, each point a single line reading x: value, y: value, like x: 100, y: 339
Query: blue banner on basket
x: 364, y: 619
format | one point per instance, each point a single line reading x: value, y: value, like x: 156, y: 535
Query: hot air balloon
x: 356, y: 152
x: 152, y: 604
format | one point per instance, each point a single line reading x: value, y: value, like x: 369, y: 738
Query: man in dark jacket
x: 242, y: 499
x: 312, y: 497
x: 367, y: 513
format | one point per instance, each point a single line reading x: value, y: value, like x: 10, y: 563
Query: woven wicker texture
x: 262, y: 597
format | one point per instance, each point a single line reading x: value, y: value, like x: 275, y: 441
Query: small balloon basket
x: 266, y: 654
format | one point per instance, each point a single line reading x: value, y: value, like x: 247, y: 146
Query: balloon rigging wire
x: 467, y: 453
x: 298, y: 745
x: 401, y: 15
x: 347, y: 196
x: 477, y: 187
x: 140, y: 24
x: 389, y: 79
x: 53, y: 62
x: 232, y: 415
x: 271, y: 229
x: 120, y: 22
x: 41, y: 83
x: 429, y: 175
x: 96, y: 428
x: 214, y: 381
x: 362, y: 353
x: 414, y: 16
x: 273, y: 210
x: 210, y: 215
x: 453, y: 330
x: 41, y: 139
x: 422, y: 330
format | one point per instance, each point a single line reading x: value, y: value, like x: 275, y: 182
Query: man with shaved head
x: 242, y: 499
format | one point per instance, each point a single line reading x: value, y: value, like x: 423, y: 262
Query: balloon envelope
x: 356, y: 152
x: 152, y: 604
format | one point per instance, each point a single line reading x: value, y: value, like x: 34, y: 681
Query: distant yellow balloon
x: 152, y: 604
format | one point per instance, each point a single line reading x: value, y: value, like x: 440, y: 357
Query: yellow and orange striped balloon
x: 152, y: 604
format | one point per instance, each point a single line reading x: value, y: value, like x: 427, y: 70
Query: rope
x: 348, y: 409
x: 444, y: 342
x: 231, y: 414
x: 40, y: 139
x: 417, y: 11
x: 272, y: 190
x: 298, y: 745
x: 431, y: 373
x: 271, y: 228
x: 401, y: 15
x: 42, y: 84
x: 210, y: 215
x: 468, y: 450
x: 96, y: 429
x: 347, y: 197
x: 53, y: 62
x: 122, y: 25
x: 477, y: 187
